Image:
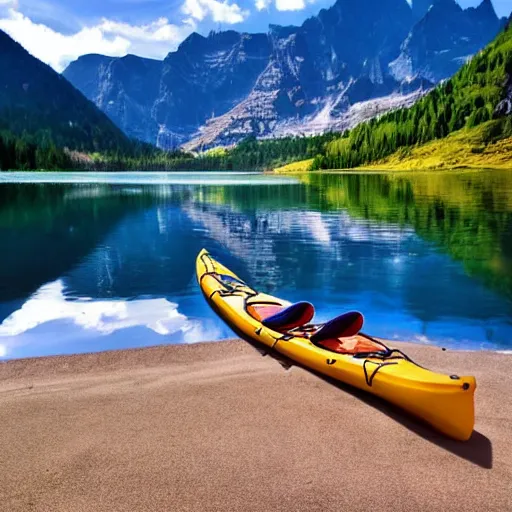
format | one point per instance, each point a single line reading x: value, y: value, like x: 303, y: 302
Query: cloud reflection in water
x: 93, y: 318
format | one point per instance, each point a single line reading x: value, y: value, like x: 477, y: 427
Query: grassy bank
x: 464, y: 149
x: 301, y: 166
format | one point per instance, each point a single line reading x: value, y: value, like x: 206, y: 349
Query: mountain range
x: 351, y: 62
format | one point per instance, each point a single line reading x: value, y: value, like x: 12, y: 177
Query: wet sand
x: 220, y: 427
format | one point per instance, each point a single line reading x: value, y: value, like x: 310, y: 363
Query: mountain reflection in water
x: 426, y: 257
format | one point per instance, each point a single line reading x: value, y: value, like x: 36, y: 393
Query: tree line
x: 27, y: 152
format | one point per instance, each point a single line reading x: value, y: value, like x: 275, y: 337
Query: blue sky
x: 58, y: 31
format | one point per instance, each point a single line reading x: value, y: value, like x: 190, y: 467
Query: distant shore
x: 303, y: 167
x: 376, y: 169
x: 219, y: 426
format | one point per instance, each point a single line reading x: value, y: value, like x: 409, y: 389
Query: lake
x: 91, y: 262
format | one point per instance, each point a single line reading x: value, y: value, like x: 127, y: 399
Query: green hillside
x: 38, y: 104
x: 466, y: 148
x: 469, y: 99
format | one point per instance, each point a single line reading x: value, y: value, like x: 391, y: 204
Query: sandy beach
x: 222, y: 427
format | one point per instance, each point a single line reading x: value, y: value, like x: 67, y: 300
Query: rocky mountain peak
x: 443, y: 7
x: 224, y: 37
x: 486, y: 11
x: 193, y: 41
x: 484, y: 17
x: 93, y: 59
x: 342, y: 10
x: 281, y: 31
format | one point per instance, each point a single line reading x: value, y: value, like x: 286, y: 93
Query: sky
x: 59, y: 31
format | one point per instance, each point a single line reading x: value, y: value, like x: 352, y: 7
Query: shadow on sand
x: 477, y: 450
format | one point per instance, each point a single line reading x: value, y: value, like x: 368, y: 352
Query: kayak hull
x: 444, y: 402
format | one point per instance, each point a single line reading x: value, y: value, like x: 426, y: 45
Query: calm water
x: 110, y: 264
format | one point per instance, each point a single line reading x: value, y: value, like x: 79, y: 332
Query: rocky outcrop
x: 420, y: 8
x: 206, y: 77
x: 504, y: 107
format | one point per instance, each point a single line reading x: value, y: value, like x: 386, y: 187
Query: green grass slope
x: 466, y: 148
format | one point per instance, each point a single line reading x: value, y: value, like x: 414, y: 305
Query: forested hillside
x: 23, y: 152
x: 45, y: 123
x: 28, y: 152
x: 253, y: 154
x: 40, y: 106
x: 480, y: 92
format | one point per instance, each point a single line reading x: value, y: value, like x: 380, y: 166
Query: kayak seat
x: 343, y: 326
x: 290, y: 317
x: 281, y: 318
x: 341, y: 335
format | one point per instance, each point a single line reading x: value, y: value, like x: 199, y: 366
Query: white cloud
x: 262, y: 4
x: 57, y: 49
x: 109, y: 38
x: 113, y: 38
x: 103, y: 317
x: 220, y: 12
x: 194, y: 8
x: 290, y: 5
x: 88, y: 319
x: 283, y: 5
x: 159, y: 30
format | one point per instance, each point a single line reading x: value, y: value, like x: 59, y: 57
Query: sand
x: 220, y: 427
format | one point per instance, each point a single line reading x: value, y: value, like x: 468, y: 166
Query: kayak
x: 339, y: 350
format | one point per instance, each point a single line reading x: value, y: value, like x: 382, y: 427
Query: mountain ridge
x: 218, y: 89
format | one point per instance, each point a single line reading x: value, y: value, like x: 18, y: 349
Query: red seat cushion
x: 354, y: 345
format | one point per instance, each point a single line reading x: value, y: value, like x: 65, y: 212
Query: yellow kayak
x: 339, y: 350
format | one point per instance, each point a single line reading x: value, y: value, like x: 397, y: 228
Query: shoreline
x: 374, y: 169
x: 219, y: 426
x: 114, y: 353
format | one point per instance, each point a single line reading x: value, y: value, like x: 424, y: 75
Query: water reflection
x: 426, y: 257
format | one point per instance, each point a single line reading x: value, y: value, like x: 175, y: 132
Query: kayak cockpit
x: 341, y: 335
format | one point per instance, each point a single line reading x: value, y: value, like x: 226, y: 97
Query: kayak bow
x: 446, y: 402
